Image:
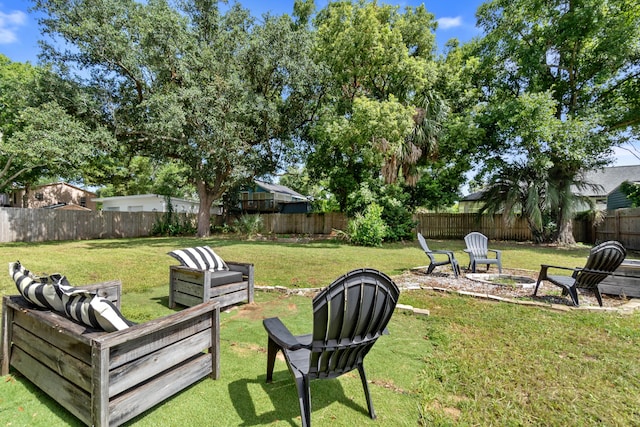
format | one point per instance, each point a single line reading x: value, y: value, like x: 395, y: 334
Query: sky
x: 19, y: 31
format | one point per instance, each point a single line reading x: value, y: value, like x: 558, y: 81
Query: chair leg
x: 304, y: 397
x: 535, y: 291
x: 272, y: 350
x: 430, y: 268
x: 598, y: 295
x: 367, y: 395
x: 574, y: 295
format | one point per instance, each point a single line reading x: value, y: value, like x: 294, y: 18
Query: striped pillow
x: 35, y: 290
x: 92, y: 310
x: 55, y: 293
x: 199, y: 258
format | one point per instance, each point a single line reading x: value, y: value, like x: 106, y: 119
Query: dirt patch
x: 547, y: 293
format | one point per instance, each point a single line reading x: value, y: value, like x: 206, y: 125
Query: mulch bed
x: 547, y: 293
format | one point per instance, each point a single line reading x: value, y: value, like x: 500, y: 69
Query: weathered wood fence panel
x: 622, y: 225
x: 39, y: 225
x: 277, y: 223
x: 456, y: 226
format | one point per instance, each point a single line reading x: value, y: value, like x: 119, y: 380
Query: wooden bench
x: 107, y: 378
x: 187, y: 286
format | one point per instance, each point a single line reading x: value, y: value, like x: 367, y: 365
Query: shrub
x: 368, y: 229
x: 169, y: 224
x: 249, y: 225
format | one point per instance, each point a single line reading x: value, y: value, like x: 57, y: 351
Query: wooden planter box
x: 188, y: 286
x: 625, y: 281
x: 107, y: 378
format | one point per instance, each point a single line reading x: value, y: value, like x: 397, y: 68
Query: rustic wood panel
x: 128, y: 405
x: 622, y: 225
x: 143, y: 368
x: 150, y: 361
x: 71, y: 397
x: 59, y: 361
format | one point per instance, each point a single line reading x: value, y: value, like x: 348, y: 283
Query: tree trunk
x: 204, y: 210
x: 565, y: 233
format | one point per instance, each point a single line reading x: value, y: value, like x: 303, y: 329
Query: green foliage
x: 559, y: 102
x: 37, y: 129
x: 368, y: 229
x: 192, y: 81
x: 377, y: 118
x: 172, y: 224
x: 395, y: 214
x: 248, y: 225
x: 143, y: 175
x: 632, y: 191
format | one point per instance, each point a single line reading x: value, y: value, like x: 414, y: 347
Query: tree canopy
x: 560, y: 90
x: 209, y: 88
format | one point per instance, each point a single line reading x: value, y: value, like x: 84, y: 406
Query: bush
x: 368, y: 229
x: 249, y: 225
x: 169, y: 224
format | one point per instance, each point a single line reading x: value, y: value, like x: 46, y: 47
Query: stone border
x: 628, y: 308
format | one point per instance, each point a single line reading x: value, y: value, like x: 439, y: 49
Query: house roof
x: 276, y: 188
x: 473, y: 197
x: 64, y: 184
x: 141, y: 196
x: 608, y: 179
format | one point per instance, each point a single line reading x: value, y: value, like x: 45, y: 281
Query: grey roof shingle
x: 608, y: 179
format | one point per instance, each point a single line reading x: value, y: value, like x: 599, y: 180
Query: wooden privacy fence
x: 40, y: 225
x: 456, y: 226
x: 322, y: 223
x: 622, y: 225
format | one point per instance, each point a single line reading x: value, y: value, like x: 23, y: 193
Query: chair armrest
x: 279, y: 333
x: 442, y: 252
x: 545, y: 267
x: 242, y: 267
x: 497, y: 252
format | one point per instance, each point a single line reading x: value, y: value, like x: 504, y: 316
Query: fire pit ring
x: 511, y: 280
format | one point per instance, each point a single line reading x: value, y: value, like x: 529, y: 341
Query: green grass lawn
x: 471, y: 362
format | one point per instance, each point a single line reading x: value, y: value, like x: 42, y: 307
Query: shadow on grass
x: 284, y: 398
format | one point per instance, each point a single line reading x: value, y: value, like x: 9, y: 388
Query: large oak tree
x: 196, y: 81
x: 573, y: 67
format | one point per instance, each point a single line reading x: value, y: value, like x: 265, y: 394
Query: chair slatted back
x: 348, y: 317
x: 423, y: 243
x: 477, y: 243
x: 603, y: 259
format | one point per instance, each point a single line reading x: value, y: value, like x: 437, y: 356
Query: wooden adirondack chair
x: 348, y: 317
x: 603, y: 260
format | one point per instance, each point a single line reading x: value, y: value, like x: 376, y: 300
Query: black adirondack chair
x: 477, y: 248
x: 348, y: 317
x: 603, y: 260
x: 451, y: 259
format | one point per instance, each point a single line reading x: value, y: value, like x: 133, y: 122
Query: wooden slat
x: 147, y: 343
x: 143, y: 368
x: 7, y: 333
x: 65, y: 365
x: 215, y: 291
x: 193, y: 289
x: 56, y: 330
x: 130, y: 404
x: 71, y: 397
x: 186, y: 300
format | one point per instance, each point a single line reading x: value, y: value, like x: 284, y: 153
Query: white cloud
x: 9, y: 23
x: 447, y: 22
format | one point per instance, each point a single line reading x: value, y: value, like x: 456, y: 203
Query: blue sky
x: 19, y: 30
